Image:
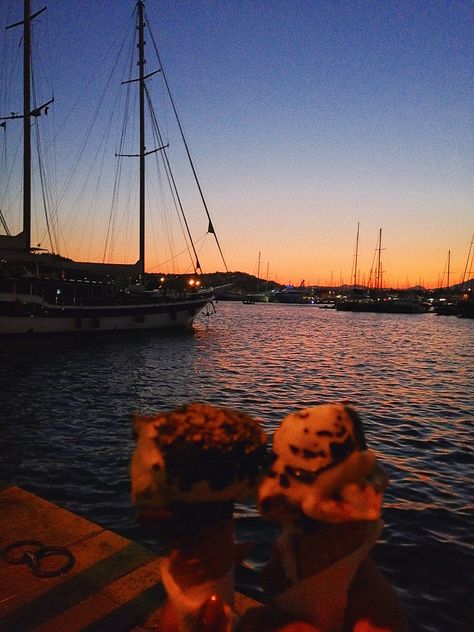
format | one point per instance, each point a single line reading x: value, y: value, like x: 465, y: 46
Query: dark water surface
x: 66, y: 405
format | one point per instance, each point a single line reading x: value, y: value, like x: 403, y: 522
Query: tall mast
x: 379, y: 263
x: 258, y: 272
x: 356, y: 256
x: 142, y: 148
x: 26, y: 116
x: 26, y: 125
x: 449, y: 268
x: 467, y: 268
x: 141, y: 65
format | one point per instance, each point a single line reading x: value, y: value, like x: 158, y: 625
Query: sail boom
x: 146, y: 153
x: 138, y: 78
x: 21, y: 22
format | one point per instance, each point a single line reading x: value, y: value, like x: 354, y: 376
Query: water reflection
x: 68, y: 403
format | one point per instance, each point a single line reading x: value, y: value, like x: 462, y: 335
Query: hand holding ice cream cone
x: 325, y: 488
x: 188, y: 468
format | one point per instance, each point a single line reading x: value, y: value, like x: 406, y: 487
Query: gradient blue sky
x: 306, y: 117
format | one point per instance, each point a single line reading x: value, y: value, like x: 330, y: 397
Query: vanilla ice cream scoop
x: 322, y: 468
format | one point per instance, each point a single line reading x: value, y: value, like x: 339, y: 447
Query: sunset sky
x: 304, y: 117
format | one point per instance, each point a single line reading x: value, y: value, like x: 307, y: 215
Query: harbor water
x: 67, y: 404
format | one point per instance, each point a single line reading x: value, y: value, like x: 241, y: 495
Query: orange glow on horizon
x: 322, y: 266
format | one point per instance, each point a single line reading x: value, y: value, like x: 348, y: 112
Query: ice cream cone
x: 189, y: 467
x: 198, y: 572
x: 325, y: 488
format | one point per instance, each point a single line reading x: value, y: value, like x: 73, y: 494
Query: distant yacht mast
x: 449, y: 268
x: 258, y: 272
x: 356, y: 257
x: 469, y: 261
x: 378, y: 275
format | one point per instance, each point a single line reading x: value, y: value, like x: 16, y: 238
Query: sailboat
x: 377, y: 300
x: 45, y: 292
x: 458, y: 300
x: 258, y: 296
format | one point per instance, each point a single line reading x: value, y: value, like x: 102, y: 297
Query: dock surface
x: 114, y: 584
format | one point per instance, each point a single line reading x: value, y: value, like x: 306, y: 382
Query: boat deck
x: 114, y: 584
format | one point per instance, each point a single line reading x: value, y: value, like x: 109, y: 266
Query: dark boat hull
x: 27, y: 314
x: 381, y: 307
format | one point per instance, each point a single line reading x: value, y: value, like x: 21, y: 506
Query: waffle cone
x: 317, y: 550
x: 204, y: 557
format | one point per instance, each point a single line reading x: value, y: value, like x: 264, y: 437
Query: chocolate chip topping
x: 208, y: 427
x: 201, y: 442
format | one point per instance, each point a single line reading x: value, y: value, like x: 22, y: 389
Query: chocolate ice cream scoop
x: 196, y: 453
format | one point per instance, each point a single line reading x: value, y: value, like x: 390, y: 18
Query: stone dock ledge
x: 114, y: 584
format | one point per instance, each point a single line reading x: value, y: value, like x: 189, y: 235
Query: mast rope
x: 118, y: 171
x: 3, y: 167
x: 82, y: 147
x: 170, y: 175
x: 46, y: 197
x: 178, y: 254
x: 369, y: 280
x: 211, y: 226
x: 10, y: 173
x: 468, y: 266
x: 176, y: 204
x: 8, y: 74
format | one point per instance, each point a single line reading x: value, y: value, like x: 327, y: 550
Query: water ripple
x: 69, y: 401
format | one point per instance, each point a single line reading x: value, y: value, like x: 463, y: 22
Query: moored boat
x: 258, y: 297
x: 382, y: 305
x: 377, y: 299
x: 43, y: 292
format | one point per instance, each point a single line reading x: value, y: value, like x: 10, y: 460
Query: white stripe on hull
x: 39, y: 324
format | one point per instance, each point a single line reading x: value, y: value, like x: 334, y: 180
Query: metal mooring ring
x: 23, y: 558
x: 34, y: 561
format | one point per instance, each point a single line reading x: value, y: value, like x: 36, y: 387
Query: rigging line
x: 173, y: 187
x: 173, y: 190
x: 166, y: 213
x: 3, y: 168
x: 186, y: 144
x: 85, y: 141
x: 112, y: 219
x: 162, y: 263
x: 41, y: 171
x: 4, y: 224
x: 15, y: 155
x: 108, y: 236
x: 167, y: 217
x: 92, y: 163
x: 109, y: 241
x: 469, y: 259
x: 53, y: 179
x: 125, y: 217
x: 10, y: 70
x: 51, y: 228
x: 369, y: 280
x: 112, y: 230
x: 356, y: 255
x: 446, y: 267
x: 97, y: 158
x: 43, y: 188
x: 170, y: 175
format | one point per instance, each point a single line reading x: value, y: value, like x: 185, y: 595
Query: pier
x: 114, y: 583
